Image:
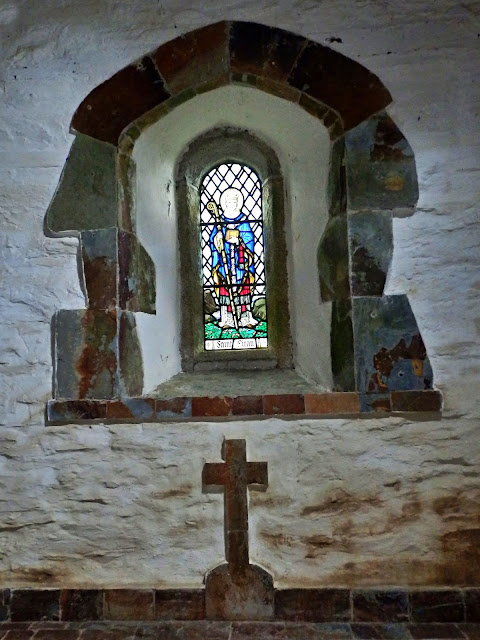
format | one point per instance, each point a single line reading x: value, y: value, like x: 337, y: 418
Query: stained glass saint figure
x: 233, y: 259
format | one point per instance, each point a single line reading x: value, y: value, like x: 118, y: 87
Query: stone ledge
x: 193, y: 630
x: 413, y: 404
x: 415, y: 607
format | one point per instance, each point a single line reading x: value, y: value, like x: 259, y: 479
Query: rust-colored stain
x: 97, y: 357
x: 320, y: 545
x: 28, y: 576
x: 339, y: 501
x: 183, y: 490
x: 384, y: 360
x: 394, y: 182
x: 101, y: 282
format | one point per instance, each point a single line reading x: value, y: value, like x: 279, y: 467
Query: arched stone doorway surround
x: 379, y: 361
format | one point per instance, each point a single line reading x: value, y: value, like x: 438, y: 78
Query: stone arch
x: 372, y: 178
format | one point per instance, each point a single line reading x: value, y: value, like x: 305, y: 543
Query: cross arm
x: 257, y: 473
x: 214, y: 473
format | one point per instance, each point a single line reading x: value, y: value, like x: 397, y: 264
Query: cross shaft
x: 235, y: 475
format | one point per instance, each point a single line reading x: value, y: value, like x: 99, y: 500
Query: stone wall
x: 349, y: 503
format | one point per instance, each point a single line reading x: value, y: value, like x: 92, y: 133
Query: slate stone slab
x: 78, y: 605
x: 337, y: 180
x: 372, y: 605
x: 86, y: 353
x: 114, y: 104
x: 437, y: 606
x: 263, y: 50
x: 333, y: 262
x: 370, y: 239
x: 389, y: 351
x: 136, y: 275
x: 194, y: 57
x: 381, y: 171
x: 130, y: 378
x: 86, y: 196
x: 34, y: 604
x: 342, y: 347
x: 99, y: 251
x: 313, y: 605
x: 339, y: 82
x: 117, y: 271
x: 126, y: 173
x: 180, y: 604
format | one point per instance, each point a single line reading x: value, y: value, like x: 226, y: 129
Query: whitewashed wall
x: 359, y: 502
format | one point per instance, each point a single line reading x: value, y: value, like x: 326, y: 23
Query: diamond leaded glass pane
x: 233, y: 259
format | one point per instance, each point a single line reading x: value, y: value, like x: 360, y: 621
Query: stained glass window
x: 233, y: 259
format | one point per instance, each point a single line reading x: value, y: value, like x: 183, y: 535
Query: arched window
x: 231, y: 219
x: 233, y: 259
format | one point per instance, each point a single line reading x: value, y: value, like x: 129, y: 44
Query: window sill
x: 412, y: 404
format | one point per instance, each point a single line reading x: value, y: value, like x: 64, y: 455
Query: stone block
x: 333, y: 260
x: 86, y: 354
x: 416, y: 401
x: 370, y: 238
x: 130, y: 372
x: 99, y: 251
x: 193, y: 58
x: 441, y: 631
x: 180, y: 604
x: 381, y: 171
x: 283, y: 404
x: 313, y: 605
x: 4, y: 604
x: 439, y: 605
x: 35, y: 604
x: 129, y: 604
x: 86, y: 196
x: 367, y: 631
x: 341, y: 346
x: 79, y: 605
x: 380, y: 606
x: 117, y: 271
x: 136, y: 275
x: 338, y: 403
x: 262, y: 50
x: 114, y: 104
x: 340, y: 83
x: 389, y: 350
x: 246, y: 595
x: 472, y: 605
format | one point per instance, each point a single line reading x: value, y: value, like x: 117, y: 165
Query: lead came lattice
x: 233, y: 259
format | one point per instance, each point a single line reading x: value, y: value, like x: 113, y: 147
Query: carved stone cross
x: 235, y: 474
x: 237, y: 590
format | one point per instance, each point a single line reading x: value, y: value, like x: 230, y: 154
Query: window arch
x: 224, y: 320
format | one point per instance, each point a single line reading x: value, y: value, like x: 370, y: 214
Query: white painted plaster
x: 122, y: 504
x: 303, y: 147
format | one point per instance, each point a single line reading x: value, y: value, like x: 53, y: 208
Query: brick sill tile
x: 413, y: 404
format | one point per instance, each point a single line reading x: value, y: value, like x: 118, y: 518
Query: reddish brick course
x: 243, y: 49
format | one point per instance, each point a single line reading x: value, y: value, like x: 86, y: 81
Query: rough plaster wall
x: 303, y: 147
x: 359, y: 502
